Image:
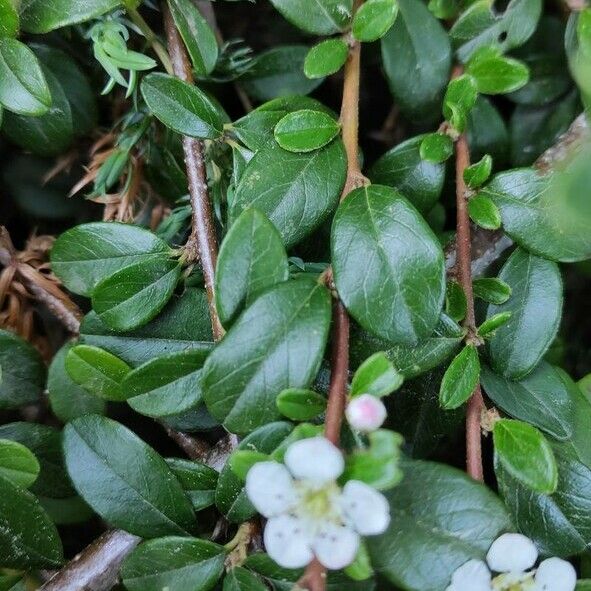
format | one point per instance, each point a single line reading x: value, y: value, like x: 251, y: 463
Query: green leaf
x: 460, y: 96
x: 86, y: 254
x: 197, y: 35
x: 306, y: 130
x: 481, y: 26
x: 198, y: 480
x: 42, y: 16
x: 436, y: 147
x: 320, y: 17
x: 183, y: 325
x: 276, y: 343
x: 230, y: 496
x: 460, y: 378
x: 543, y: 398
x: 12, y: 583
x: 484, y: 213
x: 402, y: 168
x: 242, y: 460
x: 526, y: 454
x: 478, y: 173
x: 496, y: 74
x: 173, y: 563
x: 376, y: 376
x: 535, y: 306
x: 134, y: 295
x: 278, y: 72
x: 295, y: 191
x: 240, y: 579
x: 28, y: 538
x: 490, y: 325
x: 124, y: 480
x: 417, y: 58
x: 23, y: 88
x: 22, y: 372
x: 18, y: 464
x: 558, y: 523
x: 360, y: 569
x: 373, y: 19
x: 491, y: 289
x: 300, y: 405
x: 46, y: 444
x: 326, y: 58
x: 184, y: 108
x: 9, y: 19
x: 375, y: 278
x: 440, y: 517
x: 456, y: 304
x: 165, y: 385
x: 68, y: 400
x: 99, y: 372
x: 252, y: 258
x: 378, y: 464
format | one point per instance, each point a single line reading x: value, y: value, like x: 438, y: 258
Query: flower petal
x: 555, y: 574
x: 335, y: 546
x: 365, y: 508
x: 471, y: 576
x: 512, y: 553
x: 287, y: 542
x: 269, y: 487
x: 366, y: 413
x: 315, y: 459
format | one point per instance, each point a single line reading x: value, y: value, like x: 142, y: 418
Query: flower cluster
x: 512, y: 557
x: 308, y: 514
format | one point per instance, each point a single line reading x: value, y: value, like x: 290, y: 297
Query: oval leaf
x: 460, y: 378
x: 300, y: 405
x: 17, y: 463
x: 326, y: 58
x: 373, y: 19
x: 376, y: 376
x: 305, y: 130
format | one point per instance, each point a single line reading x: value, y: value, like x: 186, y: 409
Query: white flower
x: 308, y: 513
x: 513, y: 557
x: 366, y: 413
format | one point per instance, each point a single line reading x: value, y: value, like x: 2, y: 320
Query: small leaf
x: 491, y: 289
x: 460, y: 96
x: 184, y: 108
x: 306, y: 130
x: 198, y: 480
x: 376, y: 376
x: 360, y: 569
x: 323, y: 17
x: 242, y: 460
x: 18, y: 464
x: 484, y: 213
x: 326, y: 58
x: 478, y: 173
x: 97, y: 371
x: 134, y: 295
x: 455, y: 301
x: 491, y: 324
x: 299, y: 404
x: 460, y: 378
x: 373, y: 19
x: 241, y: 579
x: 526, y: 454
x: 497, y: 74
x: 197, y: 35
x: 436, y: 147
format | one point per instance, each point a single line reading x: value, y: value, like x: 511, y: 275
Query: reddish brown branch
x: 202, y: 243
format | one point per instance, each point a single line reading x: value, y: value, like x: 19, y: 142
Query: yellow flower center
x: 319, y: 502
x: 513, y: 582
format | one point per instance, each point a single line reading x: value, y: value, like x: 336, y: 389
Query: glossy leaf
x: 490, y: 325
x: 456, y: 303
x: 184, y: 108
x: 305, y: 130
x: 295, y: 191
x: 173, y: 563
x: 373, y: 19
x: 241, y: 579
x: 373, y: 273
x: 436, y: 147
x: 460, y: 378
x: 9, y: 19
x: 484, y: 213
x: 197, y: 35
x: 321, y: 17
x: 23, y: 88
x: 526, y: 455
x: 252, y: 258
x: 97, y: 371
x: 277, y: 343
x: 326, y: 58
x: 460, y: 96
x: 496, y: 74
x: 535, y: 306
x: 300, y: 405
x: 124, y: 480
x: 478, y: 173
x: 18, y: 464
x: 198, y: 481
x: 376, y: 376
x: 491, y: 289
x: 86, y: 254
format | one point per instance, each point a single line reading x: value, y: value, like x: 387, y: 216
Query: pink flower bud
x: 366, y: 413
